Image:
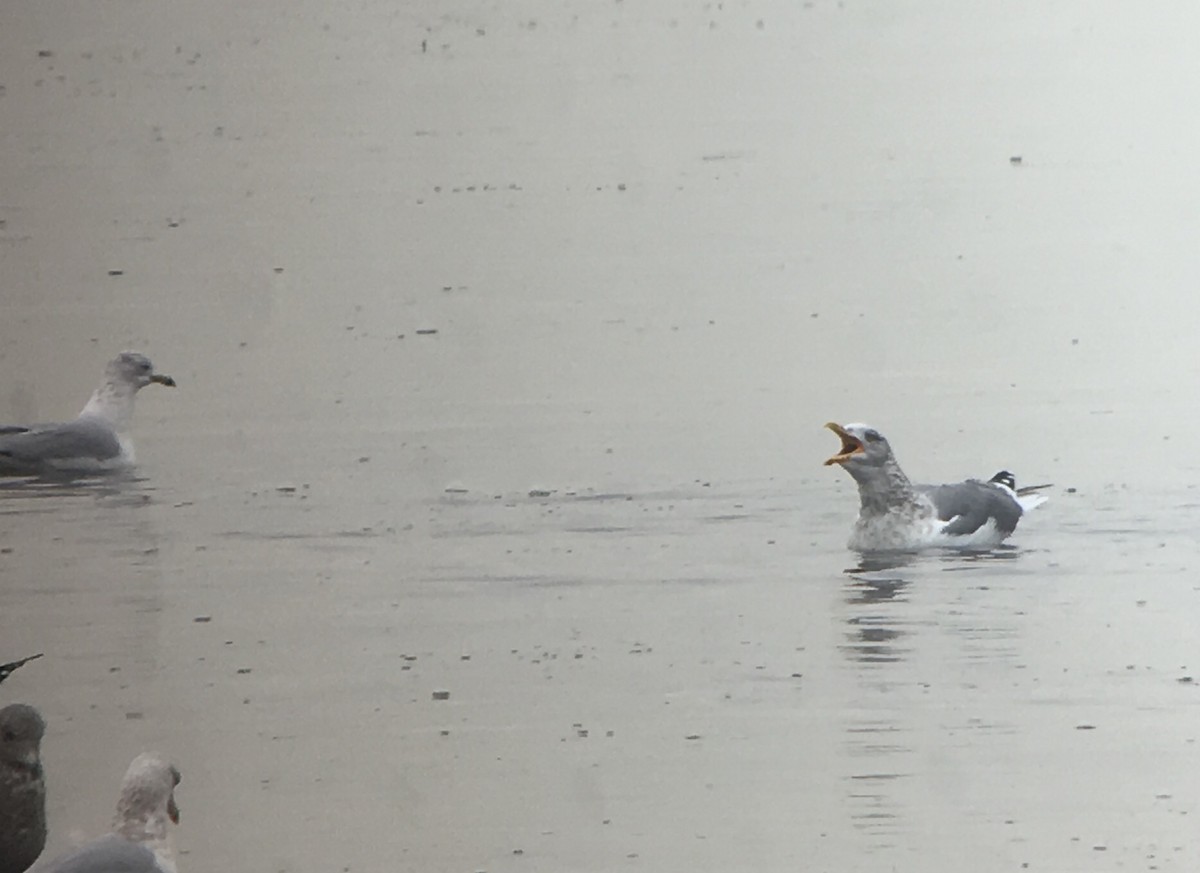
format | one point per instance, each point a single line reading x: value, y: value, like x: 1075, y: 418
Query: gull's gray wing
x: 968, y: 506
x: 108, y: 854
x: 44, y: 444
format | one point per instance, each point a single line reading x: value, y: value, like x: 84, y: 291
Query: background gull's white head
x: 124, y: 376
x: 135, y: 369
x: 147, y: 796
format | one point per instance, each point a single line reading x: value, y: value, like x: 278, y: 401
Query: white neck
x: 112, y: 402
x: 164, y: 852
x: 154, y: 833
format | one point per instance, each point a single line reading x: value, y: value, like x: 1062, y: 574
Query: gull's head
x: 862, y: 446
x: 135, y: 370
x: 21, y: 729
x: 148, y: 791
x: 1004, y: 479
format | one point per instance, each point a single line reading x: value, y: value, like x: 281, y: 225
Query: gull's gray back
x: 971, y: 504
x: 82, y: 438
x: 108, y: 854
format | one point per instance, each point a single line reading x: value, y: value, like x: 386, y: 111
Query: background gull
x: 22, y: 788
x: 140, y: 841
x: 896, y: 514
x: 97, y: 440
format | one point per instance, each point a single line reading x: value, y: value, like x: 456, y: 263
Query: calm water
x: 504, y: 338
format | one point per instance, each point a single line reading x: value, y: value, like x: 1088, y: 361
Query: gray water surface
x: 504, y: 337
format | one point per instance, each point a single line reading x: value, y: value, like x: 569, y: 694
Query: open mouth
x: 851, y: 445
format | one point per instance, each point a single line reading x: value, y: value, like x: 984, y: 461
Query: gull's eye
x: 872, y: 436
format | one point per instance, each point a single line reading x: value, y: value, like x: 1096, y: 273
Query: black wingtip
x: 1032, y: 489
x: 6, y: 670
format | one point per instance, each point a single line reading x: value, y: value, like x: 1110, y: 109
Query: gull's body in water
x: 140, y: 841
x: 897, y: 515
x: 97, y: 441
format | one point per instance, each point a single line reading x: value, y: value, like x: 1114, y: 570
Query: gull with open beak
x: 895, y: 514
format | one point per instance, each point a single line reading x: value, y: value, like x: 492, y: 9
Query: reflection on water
x: 878, y: 562
x: 876, y: 593
x: 107, y: 485
x: 950, y: 559
x: 873, y: 588
x: 901, y: 612
x: 873, y: 641
x: 108, y: 508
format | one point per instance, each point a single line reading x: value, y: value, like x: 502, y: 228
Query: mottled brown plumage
x: 22, y: 788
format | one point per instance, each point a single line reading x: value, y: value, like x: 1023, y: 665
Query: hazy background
x: 660, y: 245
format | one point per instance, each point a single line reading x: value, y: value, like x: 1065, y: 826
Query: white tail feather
x: 1031, y: 501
